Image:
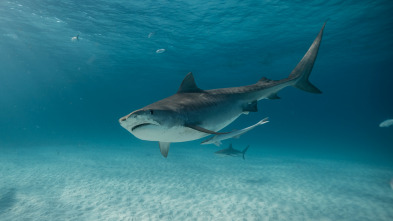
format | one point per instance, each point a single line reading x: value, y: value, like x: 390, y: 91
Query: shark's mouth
x: 140, y: 125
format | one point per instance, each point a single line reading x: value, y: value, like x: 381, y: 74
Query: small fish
x: 216, y: 140
x: 159, y: 51
x: 386, y: 123
x: 75, y: 38
x: 232, y: 152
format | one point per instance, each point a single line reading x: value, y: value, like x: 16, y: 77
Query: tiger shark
x: 193, y: 113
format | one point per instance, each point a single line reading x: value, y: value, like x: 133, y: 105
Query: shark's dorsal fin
x: 203, y: 130
x: 188, y: 85
x: 164, y: 148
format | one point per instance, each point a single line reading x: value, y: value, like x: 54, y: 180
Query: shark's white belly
x: 177, y: 133
x: 174, y: 134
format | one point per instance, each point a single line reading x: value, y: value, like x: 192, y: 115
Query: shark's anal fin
x: 188, y: 85
x: 251, y: 107
x: 164, y: 148
x: 273, y: 97
x: 203, y: 130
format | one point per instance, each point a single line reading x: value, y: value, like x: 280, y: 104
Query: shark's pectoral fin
x: 164, y: 148
x: 203, y: 130
x: 251, y: 107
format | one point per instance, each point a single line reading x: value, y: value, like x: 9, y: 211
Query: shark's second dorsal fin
x: 264, y: 80
x: 188, y: 85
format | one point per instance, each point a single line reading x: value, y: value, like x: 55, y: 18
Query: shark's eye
x: 151, y: 112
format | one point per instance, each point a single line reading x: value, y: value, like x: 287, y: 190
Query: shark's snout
x: 138, y: 119
x: 123, y: 119
x: 134, y: 113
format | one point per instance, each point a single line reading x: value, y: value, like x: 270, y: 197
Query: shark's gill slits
x: 140, y: 125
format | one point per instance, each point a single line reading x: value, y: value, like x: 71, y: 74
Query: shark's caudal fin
x: 303, y: 69
x: 244, y: 151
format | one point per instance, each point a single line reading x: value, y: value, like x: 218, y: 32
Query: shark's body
x: 232, y: 152
x: 216, y: 139
x: 193, y: 113
x: 386, y: 123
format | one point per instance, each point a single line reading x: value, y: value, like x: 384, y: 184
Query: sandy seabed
x: 137, y: 183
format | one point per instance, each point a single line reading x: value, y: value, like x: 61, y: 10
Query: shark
x: 386, y: 123
x: 232, y: 152
x: 216, y: 139
x: 193, y: 113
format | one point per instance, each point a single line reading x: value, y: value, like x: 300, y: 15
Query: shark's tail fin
x: 302, y: 71
x: 244, y: 151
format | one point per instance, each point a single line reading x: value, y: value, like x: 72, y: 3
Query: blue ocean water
x: 60, y: 95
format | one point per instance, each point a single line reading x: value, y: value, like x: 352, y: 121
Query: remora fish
x: 232, y: 152
x: 193, y: 113
x: 216, y: 140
